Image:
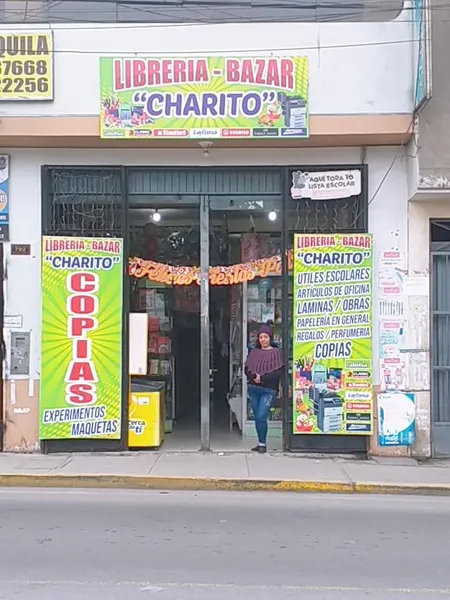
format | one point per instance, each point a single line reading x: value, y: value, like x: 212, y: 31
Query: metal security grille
x: 82, y: 201
x: 143, y: 182
x: 89, y: 201
x: 245, y: 187
x: 440, y: 347
x: 329, y: 216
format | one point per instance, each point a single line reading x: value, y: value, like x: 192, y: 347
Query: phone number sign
x: 26, y: 66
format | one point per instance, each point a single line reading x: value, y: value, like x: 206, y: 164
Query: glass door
x: 243, y: 228
x: 205, y: 366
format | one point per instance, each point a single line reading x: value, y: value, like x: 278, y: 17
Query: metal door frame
x: 439, y: 430
x: 205, y: 367
x: 2, y: 346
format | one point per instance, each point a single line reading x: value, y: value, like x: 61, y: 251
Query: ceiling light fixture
x: 206, y: 146
x: 272, y: 215
x: 156, y: 216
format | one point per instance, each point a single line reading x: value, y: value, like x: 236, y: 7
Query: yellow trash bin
x: 146, y: 418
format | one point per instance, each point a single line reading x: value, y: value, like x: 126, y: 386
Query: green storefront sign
x: 81, y: 338
x: 204, y: 97
x: 332, y: 336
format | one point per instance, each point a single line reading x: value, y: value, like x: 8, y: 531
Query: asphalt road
x: 132, y: 545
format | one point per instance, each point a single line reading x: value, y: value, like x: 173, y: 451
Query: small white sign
x: 325, y: 185
x: 416, y: 285
x: 390, y: 309
x: 392, y: 374
x: 13, y: 321
x: 391, y: 272
x: 21, y: 411
x: 138, y: 337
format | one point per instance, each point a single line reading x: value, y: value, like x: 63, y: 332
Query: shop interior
x: 239, y: 231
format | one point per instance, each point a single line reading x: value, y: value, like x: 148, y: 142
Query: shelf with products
x: 157, y: 301
x: 264, y: 305
x: 234, y: 396
x: 260, y: 300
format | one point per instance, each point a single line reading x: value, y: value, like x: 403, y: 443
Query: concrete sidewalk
x: 195, y: 471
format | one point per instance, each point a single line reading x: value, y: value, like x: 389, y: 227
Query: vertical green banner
x: 81, y: 338
x: 332, y: 337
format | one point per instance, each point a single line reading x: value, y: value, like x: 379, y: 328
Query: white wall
x: 388, y: 196
x: 375, y: 76
x: 388, y: 210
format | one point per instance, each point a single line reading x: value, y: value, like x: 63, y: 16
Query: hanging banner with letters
x: 219, y: 275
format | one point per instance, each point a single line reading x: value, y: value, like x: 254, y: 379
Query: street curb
x: 216, y: 484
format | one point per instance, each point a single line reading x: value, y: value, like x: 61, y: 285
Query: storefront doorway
x: 199, y: 335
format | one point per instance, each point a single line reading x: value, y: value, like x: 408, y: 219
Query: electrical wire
x: 108, y: 26
x: 397, y: 155
x: 195, y: 6
x: 169, y: 20
x: 222, y: 51
x: 139, y: 7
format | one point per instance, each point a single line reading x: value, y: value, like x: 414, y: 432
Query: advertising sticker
x: 390, y: 339
x: 324, y: 185
x: 4, y: 198
x: 393, y: 373
x: 81, y: 338
x: 391, y: 272
x: 204, y: 98
x: 396, y: 419
x: 332, y: 336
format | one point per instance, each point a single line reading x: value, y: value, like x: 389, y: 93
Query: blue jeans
x: 261, y: 400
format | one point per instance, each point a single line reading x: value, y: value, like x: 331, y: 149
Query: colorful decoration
x: 220, y: 275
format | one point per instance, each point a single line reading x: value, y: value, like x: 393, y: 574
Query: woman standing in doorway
x: 263, y: 368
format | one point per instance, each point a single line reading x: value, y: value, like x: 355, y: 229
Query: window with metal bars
x: 84, y: 202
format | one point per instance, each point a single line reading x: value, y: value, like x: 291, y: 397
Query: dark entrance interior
x: 174, y: 238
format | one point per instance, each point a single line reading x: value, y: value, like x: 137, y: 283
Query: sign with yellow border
x: 26, y: 66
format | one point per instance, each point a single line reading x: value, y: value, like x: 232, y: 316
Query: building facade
x: 362, y: 79
x: 428, y: 221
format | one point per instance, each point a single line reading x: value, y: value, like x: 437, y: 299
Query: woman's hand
x: 257, y: 379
